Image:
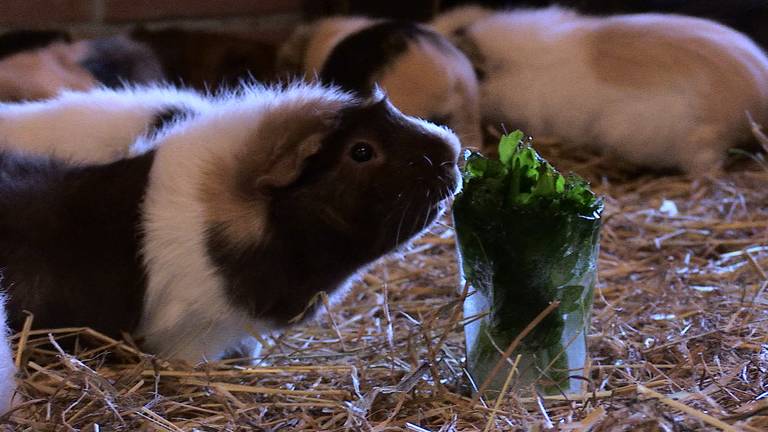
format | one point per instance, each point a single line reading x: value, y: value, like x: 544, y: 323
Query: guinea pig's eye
x: 361, y: 152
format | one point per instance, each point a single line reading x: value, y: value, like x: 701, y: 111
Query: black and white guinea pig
x: 423, y: 74
x: 234, y: 221
x: 663, y: 91
x: 7, y: 367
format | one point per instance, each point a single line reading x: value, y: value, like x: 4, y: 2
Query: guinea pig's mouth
x: 447, y: 184
x: 420, y: 204
x: 438, y: 195
x: 419, y: 208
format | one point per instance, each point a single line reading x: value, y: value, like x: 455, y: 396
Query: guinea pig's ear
x: 286, y: 166
x: 377, y: 95
x: 292, y: 142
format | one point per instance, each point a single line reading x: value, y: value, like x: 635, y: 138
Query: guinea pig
x: 43, y: 72
x: 423, y: 74
x: 7, y: 367
x: 454, y: 21
x: 236, y: 220
x: 662, y: 91
x: 116, y: 61
x: 97, y: 126
x: 36, y: 65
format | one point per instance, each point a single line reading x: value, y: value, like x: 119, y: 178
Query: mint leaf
x: 530, y: 179
x: 508, y: 145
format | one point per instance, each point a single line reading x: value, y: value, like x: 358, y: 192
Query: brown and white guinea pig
x: 663, y: 91
x: 37, y: 65
x: 234, y: 221
x: 7, y: 367
x: 100, y: 125
x: 423, y: 74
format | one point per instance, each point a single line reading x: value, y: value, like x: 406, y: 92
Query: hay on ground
x: 678, y: 339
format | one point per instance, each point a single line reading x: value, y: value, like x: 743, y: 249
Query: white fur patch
x: 186, y: 313
x: 7, y: 368
x: 99, y: 125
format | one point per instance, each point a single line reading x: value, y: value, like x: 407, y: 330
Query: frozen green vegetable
x: 527, y: 236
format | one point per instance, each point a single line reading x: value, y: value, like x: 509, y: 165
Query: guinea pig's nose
x: 437, y: 161
x: 448, y: 173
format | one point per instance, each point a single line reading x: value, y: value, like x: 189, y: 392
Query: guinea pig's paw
x: 8, y: 396
x: 705, y: 162
x: 246, y: 352
x: 702, y: 153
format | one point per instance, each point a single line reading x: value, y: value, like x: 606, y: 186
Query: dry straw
x: 678, y: 339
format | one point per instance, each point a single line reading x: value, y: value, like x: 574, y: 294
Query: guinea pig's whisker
x: 442, y: 180
x: 428, y: 160
x: 446, y: 188
x: 402, y: 220
x: 334, y: 218
x: 392, y: 214
x: 426, y: 222
x: 420, y: 218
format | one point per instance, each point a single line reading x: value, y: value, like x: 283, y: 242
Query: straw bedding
x: 678, y: 339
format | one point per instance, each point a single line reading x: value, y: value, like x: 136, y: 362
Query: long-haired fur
x: 227, y: 221
x: 663, y: 91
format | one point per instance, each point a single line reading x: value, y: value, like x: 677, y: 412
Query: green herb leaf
x: 508, y: 145
x: 529, y: 179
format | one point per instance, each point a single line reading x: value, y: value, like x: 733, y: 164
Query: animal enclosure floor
x: 679, y: 338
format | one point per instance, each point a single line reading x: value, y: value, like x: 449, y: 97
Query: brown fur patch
x: 642, y: 58
x: 682, y: 54
x: 430, y: 81
x: 649, y: 56
x: 242, y: 219
x: 236, y: 188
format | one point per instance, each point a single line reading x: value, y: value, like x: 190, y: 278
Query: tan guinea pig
x: 423, y: 74
x: 662, y: 91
